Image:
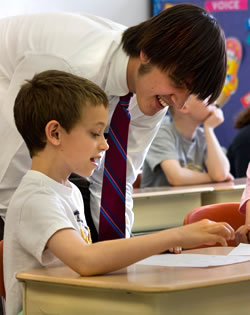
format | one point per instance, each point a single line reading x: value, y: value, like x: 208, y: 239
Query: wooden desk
x: 140, y: 289
x: 165, y: 207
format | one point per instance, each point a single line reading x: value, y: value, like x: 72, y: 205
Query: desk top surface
x: 144, y: 278
x: 238, y: 183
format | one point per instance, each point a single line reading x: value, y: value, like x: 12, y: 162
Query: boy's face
x: 82, y: 147
x: 155, y: 90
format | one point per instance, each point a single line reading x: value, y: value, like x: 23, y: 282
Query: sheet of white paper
x: 192, y: 260
x: 241, y: 250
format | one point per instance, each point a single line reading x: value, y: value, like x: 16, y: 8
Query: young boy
x: 184, y: 154
x: 62, y: 119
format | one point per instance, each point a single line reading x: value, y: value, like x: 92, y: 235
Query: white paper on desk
x: 241, y: 250
x: 192, y: 260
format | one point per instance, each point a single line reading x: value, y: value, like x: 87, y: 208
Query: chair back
x: 220, y: 212
x: 2, y: 289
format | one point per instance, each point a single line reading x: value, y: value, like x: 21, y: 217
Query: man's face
x: 155, y: 90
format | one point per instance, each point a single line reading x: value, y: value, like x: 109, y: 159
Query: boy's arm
x: 177, y: 175
x: 107, y: 256
x: 164, y: 152
x: 217, y: 163
x: 181, y: 176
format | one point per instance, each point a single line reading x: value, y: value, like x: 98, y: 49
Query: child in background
x: 239, y: 150
x: 62, y: 118
x: 183, y: 153
x: 242, y: 235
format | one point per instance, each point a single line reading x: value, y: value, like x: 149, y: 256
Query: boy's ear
x: 143, y: 57
x: 52, y: 132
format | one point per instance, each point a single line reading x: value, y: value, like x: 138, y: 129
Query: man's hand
x: 175, y: 250
x: 242, y: 235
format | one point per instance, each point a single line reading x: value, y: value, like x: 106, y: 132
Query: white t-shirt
x: 40, y: 207
x: 84, y: 45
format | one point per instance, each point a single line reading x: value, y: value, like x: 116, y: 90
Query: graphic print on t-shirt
x: 83, y: 228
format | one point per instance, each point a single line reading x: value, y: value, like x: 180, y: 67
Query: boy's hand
x: 215, y: 118
x: 205, y: 232
x: 242, y: 235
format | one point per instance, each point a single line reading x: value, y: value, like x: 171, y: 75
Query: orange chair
x: 220, y: 212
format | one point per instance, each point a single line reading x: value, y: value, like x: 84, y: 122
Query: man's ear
x: 53, y: 132
x: 143, y: 57
x: 182, y: 110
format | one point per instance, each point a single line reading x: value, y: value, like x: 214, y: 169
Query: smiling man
x: 162, y: 61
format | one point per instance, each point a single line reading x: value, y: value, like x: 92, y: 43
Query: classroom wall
x: 127, y: 12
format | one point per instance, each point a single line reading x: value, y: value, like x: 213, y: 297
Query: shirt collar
x: 117, y: 75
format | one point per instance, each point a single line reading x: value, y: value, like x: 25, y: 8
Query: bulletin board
x: 234, y: 18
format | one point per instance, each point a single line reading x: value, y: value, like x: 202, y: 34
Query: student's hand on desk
x: 242, y: 235
x: 175, y: 250
x: 205, y: 232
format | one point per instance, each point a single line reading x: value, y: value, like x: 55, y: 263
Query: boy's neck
x: 49, y: 168
x: 186, y: 126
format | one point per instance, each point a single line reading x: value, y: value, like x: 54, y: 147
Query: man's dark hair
x: 188, y: 43
x: 53, y: 95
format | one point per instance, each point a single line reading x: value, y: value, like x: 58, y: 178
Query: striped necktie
x: 112, y: 223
